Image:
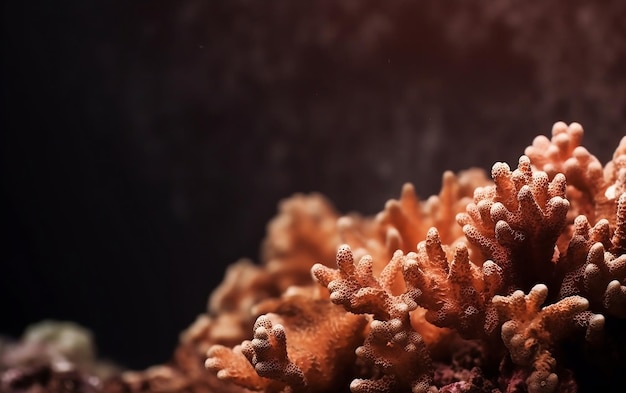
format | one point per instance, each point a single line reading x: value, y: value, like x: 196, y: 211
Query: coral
x: 404, y: 222
x: 531, y: 333
x: 392, y: 347
x: 517, y: 221
x: 515, y: 285
x: 303, y: 233
x: 299, y: 344
x: 424, y: 280
x: 457, y: 293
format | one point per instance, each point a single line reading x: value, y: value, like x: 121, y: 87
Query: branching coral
x: 515, y: 285
x: 300, y: 344
x: 596, y: 265
x: 404, y: 222
x: 543, y: 225
x: 393, y: 348
x: 457, y: 294
x: 564, y: 154
x: 517, y: 222
x: 531, y: 333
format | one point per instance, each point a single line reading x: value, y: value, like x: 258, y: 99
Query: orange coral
x: 404, y: 222
x: 558, y: 220
x: 299, y: 344
x: 517, y: 222
x: 430, y: 295
x: 531, y: 333
x: 392, y: 347
x: 457, y: 294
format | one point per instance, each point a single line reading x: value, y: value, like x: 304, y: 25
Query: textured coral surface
x: 514, y: 284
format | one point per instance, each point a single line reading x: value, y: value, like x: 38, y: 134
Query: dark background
x: 145, y: 144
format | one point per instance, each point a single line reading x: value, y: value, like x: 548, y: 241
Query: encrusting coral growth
x: 512, y: 285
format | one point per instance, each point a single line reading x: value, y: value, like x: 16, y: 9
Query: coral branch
x: 300, y: 343
x: 456, y: 294
x: 267, y: 352
x: 592, y: 270
x: 603, y: 277
x: 531, y: 332
x: 392, y: 347
x: 401, y: 356
x: 233, y: 366
x: 564, y: 154
x: 619, y: 237
x: 517, y: 222
x: 355, y: 288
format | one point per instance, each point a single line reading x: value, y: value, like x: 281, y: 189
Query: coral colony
x: 515, y: 284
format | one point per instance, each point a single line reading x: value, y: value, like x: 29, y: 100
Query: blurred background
x: 146, y: 144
